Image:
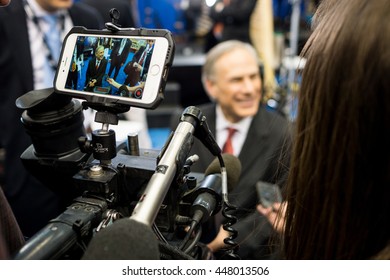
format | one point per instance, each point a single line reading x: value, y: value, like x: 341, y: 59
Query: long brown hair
x: 339, y: 181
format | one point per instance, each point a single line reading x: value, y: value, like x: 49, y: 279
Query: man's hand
x: 92, y: 83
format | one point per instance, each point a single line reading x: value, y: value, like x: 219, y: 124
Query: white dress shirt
x: 239, y: 136
x: 43, y: 74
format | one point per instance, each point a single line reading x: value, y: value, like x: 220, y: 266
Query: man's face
x: 54, y: 5
x: 150, y: 42
x: 99, y: 54
x: 236, y: 85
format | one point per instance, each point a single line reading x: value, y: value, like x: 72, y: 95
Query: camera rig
x: 103, y: 182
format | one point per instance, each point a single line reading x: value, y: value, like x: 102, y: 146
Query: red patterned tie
x: 142, y: 59
x: 228, y: 147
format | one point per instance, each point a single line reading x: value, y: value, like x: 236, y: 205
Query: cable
x: 233, y: 247
x: 188, y: 235
x: 157, y: 231
x: 167, y: 250
x: 194, y: 241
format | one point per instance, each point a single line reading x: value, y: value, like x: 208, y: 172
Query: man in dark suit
x: 138, y: 67
x: 232, y: 80
x: 118, y: 55
x: 96, y: 69
x: 77, y: 63
x: 33, y: 204
x: 11, y: 238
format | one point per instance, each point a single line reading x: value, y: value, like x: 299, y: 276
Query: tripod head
x: 103, y: 143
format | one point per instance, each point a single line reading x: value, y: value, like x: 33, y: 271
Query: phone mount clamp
x: 114, y: 26
x: 103, y: 143
x: 115, y: 15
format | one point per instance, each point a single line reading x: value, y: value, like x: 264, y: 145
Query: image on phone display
x: 110, y: 66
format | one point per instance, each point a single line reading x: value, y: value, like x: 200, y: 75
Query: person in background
x: 27, y: 63
x: 261, y: 32
x: 124, y: 7
x: 338, y: 186
x: 249, y: 21
x: 96, y: 69
x: 231, y: 77
x: 139, y: 65
x: 76, y: 65
x: 231, y: 19
x: 11, y: 237
x: 118, y: 56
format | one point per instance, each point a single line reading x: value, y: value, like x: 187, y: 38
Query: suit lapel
x: 258, y: 135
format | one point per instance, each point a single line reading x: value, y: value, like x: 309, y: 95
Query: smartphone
x: 127, y: 67
x: 268, y: 193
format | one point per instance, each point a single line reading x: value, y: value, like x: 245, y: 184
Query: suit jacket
x: 264, y: 156
x: 260, y: 155
x: 146, y: 61
x: 116, y: 58
x: 93, y: 73
x: 133, y: 75
x: 28, y: 199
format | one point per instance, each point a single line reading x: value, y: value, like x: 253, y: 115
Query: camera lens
x: 53, y: 123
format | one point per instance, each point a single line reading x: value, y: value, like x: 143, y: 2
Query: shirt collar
x: 222, y: 123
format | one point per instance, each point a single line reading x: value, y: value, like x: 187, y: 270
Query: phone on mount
x: 268, y: 193
x: 127, y: 66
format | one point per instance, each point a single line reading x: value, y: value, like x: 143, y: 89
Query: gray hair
x: 208, y: 69
x: 99, y: 47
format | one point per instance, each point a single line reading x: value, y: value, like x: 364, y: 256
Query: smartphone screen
x: 268, y: 193
x: 122, y: 69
